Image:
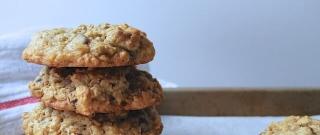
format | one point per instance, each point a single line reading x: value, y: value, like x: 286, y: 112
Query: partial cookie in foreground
x: 294, y: 125
x: 96, y: 90
x: 103, y: 45
x: 45, y: 120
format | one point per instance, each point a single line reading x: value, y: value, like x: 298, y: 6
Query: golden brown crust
x: 96, y: 90
x: 294, y: 125
x: 103, y: 45
x: 44, y: 120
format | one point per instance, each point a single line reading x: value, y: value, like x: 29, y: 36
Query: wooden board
x: 240, y: 101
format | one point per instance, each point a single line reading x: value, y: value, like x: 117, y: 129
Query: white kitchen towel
x: 14, y: 77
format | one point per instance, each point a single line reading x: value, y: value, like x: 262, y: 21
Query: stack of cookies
x: 90, y: 84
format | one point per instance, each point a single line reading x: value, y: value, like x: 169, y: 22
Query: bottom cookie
x: 44, y: 120
x: 294, y: 125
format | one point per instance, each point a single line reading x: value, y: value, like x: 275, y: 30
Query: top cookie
x: 294, y: 125
x: 104, y: 45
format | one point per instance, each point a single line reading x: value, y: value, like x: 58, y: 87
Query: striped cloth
x: 14, y: 76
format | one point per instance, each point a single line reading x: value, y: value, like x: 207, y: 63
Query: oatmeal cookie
x: 104, y: 45
x: 294, y: 125
x: 44, y: 120
x: 96, y: 90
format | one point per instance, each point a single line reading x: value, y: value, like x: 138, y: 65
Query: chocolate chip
x: 133, y: 79
x: 123, y: 103
x: 74, y: 101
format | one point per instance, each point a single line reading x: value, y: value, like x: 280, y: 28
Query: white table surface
x: 184, y: 125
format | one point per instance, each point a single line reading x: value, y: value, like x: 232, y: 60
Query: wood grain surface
x: 241, y: 101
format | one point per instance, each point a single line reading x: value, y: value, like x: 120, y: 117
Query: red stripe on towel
x: 17, y: 102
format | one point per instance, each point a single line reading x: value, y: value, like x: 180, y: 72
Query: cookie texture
x: 47, y: 121
x: 103, y: 45
x: 96, y: 90
x: 294, y: 125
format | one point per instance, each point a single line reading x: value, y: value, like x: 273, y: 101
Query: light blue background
x: 201, y: 43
